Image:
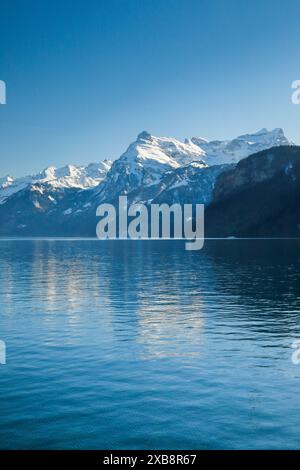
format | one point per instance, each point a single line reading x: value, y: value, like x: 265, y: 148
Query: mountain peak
x: 144, y: 135
x: 232, y: 151
x: 67, y: 177
x: 6, y: 181
x: 264, y: 130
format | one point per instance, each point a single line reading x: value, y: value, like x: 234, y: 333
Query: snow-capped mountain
x: 145, y: 162
x: 58, y: 202
x: 70, y: 176
x: 218, y: 152
x: 165, y: 151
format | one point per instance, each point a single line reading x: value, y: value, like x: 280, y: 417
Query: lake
x: 143, y: 345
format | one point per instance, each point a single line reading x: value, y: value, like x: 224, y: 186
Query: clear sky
x: 84, y: 77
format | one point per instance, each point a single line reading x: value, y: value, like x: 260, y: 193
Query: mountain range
x: 63, y: 202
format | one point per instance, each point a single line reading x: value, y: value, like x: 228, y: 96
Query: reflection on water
x: 145, y: 345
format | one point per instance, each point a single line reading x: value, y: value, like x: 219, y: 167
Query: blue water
x: 129, y: 345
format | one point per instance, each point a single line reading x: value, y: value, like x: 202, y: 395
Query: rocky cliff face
x: 259, y: 197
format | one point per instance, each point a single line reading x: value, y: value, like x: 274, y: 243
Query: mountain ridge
x: 58, y: 202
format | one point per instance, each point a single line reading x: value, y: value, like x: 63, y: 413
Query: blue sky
x: 85, y: 77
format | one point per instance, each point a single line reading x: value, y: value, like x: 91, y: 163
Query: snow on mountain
x: 188, y: 184
x: 218, y: 152
x: 156, y: 154
x: 191, y: 184
x: 144, y: 168
x: 149, y: 158
x: 6, y: 181
x: 145, y: 162
x: 152, y: 169
x: 70, y: 176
